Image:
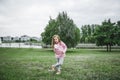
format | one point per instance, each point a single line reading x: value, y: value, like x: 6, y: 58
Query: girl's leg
x: 59, y: 63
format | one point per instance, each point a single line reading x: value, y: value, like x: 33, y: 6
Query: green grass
x: 79, y: 64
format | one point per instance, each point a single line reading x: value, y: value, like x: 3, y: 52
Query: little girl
x: 59, y: 48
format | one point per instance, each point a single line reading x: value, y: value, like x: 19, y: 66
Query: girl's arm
x: 64, y: 47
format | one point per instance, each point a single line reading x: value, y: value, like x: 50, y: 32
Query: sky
x: 30, y: 17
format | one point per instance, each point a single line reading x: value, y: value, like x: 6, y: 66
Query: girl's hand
x: 55, y: 46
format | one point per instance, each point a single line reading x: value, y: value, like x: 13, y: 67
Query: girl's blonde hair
x: 52, y: 43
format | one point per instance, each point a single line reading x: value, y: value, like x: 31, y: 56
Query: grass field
x: 79, y: 64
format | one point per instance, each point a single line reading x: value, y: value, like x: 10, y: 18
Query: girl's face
x: 56, y: 40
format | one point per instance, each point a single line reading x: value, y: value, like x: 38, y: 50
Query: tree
x: 117, y: 33
x: 104, y: 34
x: 64, y: 27
x: 84, y: 33
x: 50, y: 30
x: 87, y: 34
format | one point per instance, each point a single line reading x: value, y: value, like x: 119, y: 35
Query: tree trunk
x: 110, y: 48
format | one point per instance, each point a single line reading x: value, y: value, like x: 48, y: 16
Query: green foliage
x: 33, y: 40
x: 104, y: 34
x: 87, y: 32
x: 64, y: 27
x: 117, y: 33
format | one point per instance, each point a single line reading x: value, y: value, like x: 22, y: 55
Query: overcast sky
x: 30, y: 17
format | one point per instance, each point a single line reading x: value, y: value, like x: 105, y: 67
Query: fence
x: 38, y: 45
x: 90, y: 46
x: 21, y: 45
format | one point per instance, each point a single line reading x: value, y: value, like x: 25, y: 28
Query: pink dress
x: 60, y: 49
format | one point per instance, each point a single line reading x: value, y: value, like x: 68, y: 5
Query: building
x: 16, y: 39
x: 7, y: 38
x: 24, y: 38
